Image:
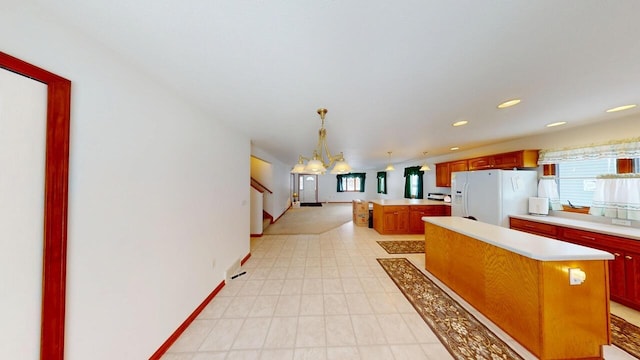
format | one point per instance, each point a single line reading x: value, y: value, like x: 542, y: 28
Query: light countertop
x: 529, y: 245
x: 396, y: 202
x: 610, y: 229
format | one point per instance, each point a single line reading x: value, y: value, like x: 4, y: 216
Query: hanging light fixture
x: 425, y: 167
x: 317, y: 163
x: 390, y: 166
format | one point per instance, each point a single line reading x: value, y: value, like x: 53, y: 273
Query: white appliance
x: 492, y: 195
x: 538, y: 206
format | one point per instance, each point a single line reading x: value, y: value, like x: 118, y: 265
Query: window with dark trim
x: 382, y: 182
x: 352, y: 182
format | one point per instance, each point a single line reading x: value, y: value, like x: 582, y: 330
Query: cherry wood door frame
x: 54, y: 262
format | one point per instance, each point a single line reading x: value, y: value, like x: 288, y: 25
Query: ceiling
x: 393, y: 75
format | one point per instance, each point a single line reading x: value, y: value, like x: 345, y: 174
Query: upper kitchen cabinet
x: 515, y: 159
x: 444, y: 170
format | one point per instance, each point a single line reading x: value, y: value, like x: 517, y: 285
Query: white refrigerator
x: 492, y: 195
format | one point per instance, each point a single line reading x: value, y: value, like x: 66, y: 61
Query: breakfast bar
x: 404, y: 216
x: 550, y: 296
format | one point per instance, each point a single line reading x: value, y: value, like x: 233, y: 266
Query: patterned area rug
x: 460, y: 332
x: 625, y: 335
x: 403, y: 246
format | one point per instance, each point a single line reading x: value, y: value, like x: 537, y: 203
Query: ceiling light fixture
x: 620, y: 108
x: 454, y: 148
x: 317, y: 164
x: 556, y: 123
x: 460, y: 123
x: 425, y: 167
x: 390, y: 166
x: 509, y: 103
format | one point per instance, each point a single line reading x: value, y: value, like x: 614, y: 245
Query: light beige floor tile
x: 313, y: 272
x: 395, y: 329
x: 436, y: 352
x: 179, y: 356
x: 339, y: 330
x: 252, y: 333
x: 243, y: 355
x: 210, y: 356
x: 419, y: 328
x: 352, y: 285
x: 343, y: 353
x: 381, y: 303
x: 193, y: 336
x: 296, y: 272
x: 312, y: 286
x: 239, y: 307
x: 222, y: 335
x: 264, y: 306
x: 311, y: 331
x: 282, y: 332
x: 332, y: 286
x: 411, y: 351
x: 335, y: 304
x: 379, y: 352
x: 215, y: 308
x: 272, y: 287
x: 367, y: 330
x: 292, y: 287
x: 312, y: 304
x: 317, y: 353
x: 288, y: 305
x: 277, y: 354
x: 358, y: 304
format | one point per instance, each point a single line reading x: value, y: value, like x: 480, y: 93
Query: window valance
x: 617, y: 196
x: 619, y: 149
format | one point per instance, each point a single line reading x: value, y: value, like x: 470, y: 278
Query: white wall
x: 153, y: 220
x: 23, y: 111
x: 279, y: 181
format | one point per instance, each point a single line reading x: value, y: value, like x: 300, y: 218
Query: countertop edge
x: 607, y: 229
x: 529, y: 245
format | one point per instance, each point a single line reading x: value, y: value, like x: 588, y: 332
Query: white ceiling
x: 394, y: 75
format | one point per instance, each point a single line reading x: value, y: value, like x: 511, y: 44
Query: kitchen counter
x: 392, y: 202
x: 404, y: 216
x: 502, y: 272
x: 609, y: 229
x: 529, y: 245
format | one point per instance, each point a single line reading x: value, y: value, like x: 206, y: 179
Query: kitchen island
x: 404, y: 216
x: 521, y: 282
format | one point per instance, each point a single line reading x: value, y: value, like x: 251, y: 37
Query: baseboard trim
x: 256, y: 235
x: 176, y: 334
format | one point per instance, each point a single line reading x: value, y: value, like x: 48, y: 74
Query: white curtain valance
x: 620, y: 149
x: 617, y: 196
x: 548, y: 188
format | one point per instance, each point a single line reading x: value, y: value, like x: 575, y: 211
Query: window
x: 413, y: 182
x: 382, y: 182
x: 350, y: 182
x: 577, y: 179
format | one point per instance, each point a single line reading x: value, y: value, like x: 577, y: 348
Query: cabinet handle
x: 628, y: 257
x: 616, y: 254
x: 587, y: 237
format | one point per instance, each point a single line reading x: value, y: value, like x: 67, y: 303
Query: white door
x: 308, y: 188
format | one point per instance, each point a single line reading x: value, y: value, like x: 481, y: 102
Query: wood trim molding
x: 176, y: 334
x: 55, y: 203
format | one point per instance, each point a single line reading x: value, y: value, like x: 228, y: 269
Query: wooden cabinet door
x: 460, y: 165
x: 396, y: 219
x: 480, y: 163
x: 416, y: 225
x: 632, y: 276
x: 617, y: 276
x: 443, y: 175
x: 508, y: 160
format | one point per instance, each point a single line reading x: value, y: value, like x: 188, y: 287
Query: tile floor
x: 322, y: 297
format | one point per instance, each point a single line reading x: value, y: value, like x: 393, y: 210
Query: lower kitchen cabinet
x: 624, y: 269
x: 404, y: 219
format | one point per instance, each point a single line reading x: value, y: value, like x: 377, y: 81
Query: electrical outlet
x: 621, y: 222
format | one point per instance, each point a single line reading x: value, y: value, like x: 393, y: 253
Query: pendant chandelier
x: 390, y: 165
x: 317, y: 164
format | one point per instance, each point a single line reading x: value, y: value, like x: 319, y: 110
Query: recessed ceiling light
x: 455, y: 148
x: 620, y: 108
x: 556, y: 123
x: 460, y: 123
x: 509, y: 103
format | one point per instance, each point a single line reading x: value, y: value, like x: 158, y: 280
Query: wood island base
x: 531, y: 300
